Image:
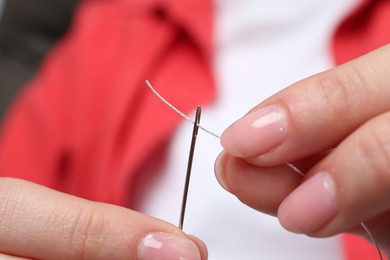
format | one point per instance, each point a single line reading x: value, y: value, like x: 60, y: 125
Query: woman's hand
x: 335, y: 127
x: 39, y: 223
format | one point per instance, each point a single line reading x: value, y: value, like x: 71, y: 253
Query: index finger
x: 39, y: 223
x: 314, y: 114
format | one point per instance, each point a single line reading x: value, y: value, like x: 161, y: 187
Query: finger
x: 313, y: 115
x: 260, y: 188
x: 351, y: 185
x: 39, y: 223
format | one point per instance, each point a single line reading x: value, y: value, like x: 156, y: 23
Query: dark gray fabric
x: 28, y: 29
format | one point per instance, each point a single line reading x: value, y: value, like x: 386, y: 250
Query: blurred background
x: 1, y: 5
x: 261, y: 46
x: 28, y: 29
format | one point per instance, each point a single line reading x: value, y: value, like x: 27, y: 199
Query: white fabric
x: 261, y: 47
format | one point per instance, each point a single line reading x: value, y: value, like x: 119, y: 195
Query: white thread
x: 372, y: 240
x: 178, y: 111
x: 291, y: 166
x: 295, y: 169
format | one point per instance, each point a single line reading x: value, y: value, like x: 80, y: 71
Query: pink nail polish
x: 310, y: 206
x: 164, y: 246
x: 256, y: 133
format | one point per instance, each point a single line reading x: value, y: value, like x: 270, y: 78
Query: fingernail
x: 219, y: 171
x: 256, y: 133
x: 310, y: 206
x: 164, y: 246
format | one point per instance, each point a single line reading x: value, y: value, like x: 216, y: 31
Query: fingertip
x: 256, y: 133
x: 310, y: 206
x: 169, y: 246
x: 201, y: 246
x: 228, y: 141
x: 220, y: 170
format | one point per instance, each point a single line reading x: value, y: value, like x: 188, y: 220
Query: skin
x: 40, y: 223
x: 337, y: 132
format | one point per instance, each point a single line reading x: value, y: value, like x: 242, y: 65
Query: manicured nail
x: 312, y: 205
x: 164, y: 246
x: 256, y: 133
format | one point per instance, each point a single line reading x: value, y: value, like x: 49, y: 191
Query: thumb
x: 39, y: 223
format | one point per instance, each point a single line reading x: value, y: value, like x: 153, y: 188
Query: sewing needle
x: 189, y: 166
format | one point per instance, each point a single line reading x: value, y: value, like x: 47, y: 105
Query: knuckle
x: 374, y: 146
x: 85, y: 233
x: 342, y: 91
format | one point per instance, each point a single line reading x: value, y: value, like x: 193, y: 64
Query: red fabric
x: 357, y: 248
x: 366, y: 29
x: 87, y: 122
